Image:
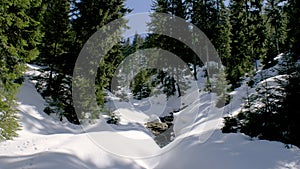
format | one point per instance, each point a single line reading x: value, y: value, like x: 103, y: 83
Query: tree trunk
x: 51, y: 69
x: 195, y: 67
x: 178, y: 90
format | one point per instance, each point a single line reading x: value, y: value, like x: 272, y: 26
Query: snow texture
x: 46, y: 143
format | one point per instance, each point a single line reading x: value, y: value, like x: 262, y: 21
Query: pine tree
x: 293, y: 11
x: 90, y: 17
x: 257, y: 31
x: 141, y: 85
x: 213, y: 15
x: 277, y: 22
x: 292, y: 108
x: 56, y: 55
x: 272, y: 112
x: 221, y: 88
x: 223, y: 33
x: 93, y: 14
x: 175, y: 9
x: 204, y: 14
x: 19, y: 35
x: 56, y: 26
x: 241, y: 61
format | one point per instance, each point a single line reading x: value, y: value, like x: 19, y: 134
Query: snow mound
x: 46, y: 143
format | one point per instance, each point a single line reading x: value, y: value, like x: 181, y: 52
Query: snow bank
x: 46, y: 143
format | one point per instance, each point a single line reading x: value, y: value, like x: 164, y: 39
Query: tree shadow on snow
x: 50, y: 160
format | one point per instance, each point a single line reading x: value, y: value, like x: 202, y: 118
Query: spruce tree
x: 257, y: 35
x: 56, y: 55
x: 19, y: 36
x: 272, y: 111
x: 220, y: 87
x: 241, y: 61
x: 91, y: 15
x: 292, y: 89
x: 204, y: 14
x: 293, y: 12
x: 56, y: 27
x: 223, y: 32
x: 276, y: 20
x: 175, y: 9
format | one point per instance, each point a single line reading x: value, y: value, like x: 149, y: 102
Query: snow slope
x: 46, y: 143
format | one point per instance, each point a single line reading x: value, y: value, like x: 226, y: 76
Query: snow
x: 46, y: 143
x: 230, y: 151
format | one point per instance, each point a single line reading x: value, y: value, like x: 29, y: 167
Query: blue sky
x: 139, y: 6
x: 138, y: 23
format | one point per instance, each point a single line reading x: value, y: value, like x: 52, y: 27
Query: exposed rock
x: 157, y: 127
x: 162, y: 129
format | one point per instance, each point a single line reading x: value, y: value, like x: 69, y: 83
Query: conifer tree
x: 19, y: 35
x: 56, y: 27
x: 223, y: 33
x: 221, y: 88
x: 212, y: 17
x: 272, y: 111
x: 141, y: 85
x: 241, y: 61
x: 56, y: 55
x: 203, y: 14
x: 292, y: 117
x: 91, y: 15
x: 175, y: 9
x: 277, y: 25
x: 293, y: 12
x: 257, y: 31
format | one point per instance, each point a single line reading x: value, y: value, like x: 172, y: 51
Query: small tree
x: 221, y: 87
x: 142, y: 85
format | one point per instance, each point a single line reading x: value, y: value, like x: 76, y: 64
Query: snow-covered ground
x: 45, y: 143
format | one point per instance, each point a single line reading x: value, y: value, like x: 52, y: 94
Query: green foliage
x: 93, y: 14
x: 293, y: 13
x: 54, y: 52
x: 257, y: 30
x: 204, y: 15
x: 222, y: 41
x: 141, y: 85
x: 19, y: 35
x: 106, y: 71
x: 240, y: 62
x: 90, y: 16
x: 149, y: 81
x: 56, y: 27
x: 276, y: 27
x: 113, y: 119
x: 9, y: 123
x: 292, y: 108
x: 272, y: 112
x: 170, y: 81
x: 230, y: 125
x: 63, y: 40
x: 221, y: 87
